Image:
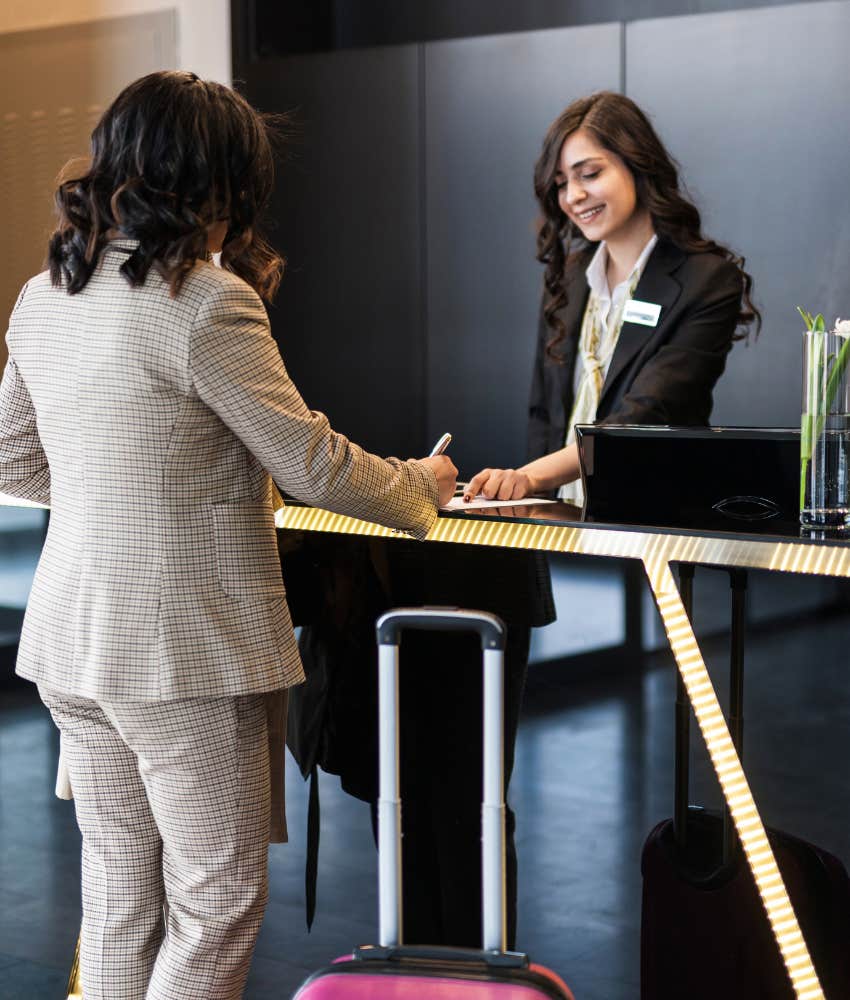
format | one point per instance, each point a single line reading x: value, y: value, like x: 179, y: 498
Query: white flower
x: 842, y: 327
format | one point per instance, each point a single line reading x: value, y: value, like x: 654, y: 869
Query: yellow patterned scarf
x: 596, y: 347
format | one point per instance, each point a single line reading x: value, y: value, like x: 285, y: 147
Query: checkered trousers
x: 172, y: 800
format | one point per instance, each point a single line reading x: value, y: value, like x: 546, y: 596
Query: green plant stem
x: 835, y: 374
x: 813, y: 399
x: 812, y: 424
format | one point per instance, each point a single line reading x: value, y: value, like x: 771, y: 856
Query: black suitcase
x: 704, y: 931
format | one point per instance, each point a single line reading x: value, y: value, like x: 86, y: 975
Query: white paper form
x: 458, y: 503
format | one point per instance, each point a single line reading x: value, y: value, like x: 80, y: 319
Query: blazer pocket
x: 246, y: 551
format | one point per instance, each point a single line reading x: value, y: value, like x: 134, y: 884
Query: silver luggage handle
x: 491, y: 630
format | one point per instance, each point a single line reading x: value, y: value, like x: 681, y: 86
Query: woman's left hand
x: 500, y: 484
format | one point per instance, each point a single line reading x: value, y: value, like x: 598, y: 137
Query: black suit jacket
x: 658, y: 375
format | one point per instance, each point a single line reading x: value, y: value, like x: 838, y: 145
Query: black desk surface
x: 568, y: 515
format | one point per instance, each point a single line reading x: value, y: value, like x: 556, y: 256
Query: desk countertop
x: 711, y: 525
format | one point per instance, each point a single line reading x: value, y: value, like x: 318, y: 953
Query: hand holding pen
x: 443, y: 468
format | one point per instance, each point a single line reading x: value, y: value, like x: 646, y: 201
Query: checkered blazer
x: 150, y: 424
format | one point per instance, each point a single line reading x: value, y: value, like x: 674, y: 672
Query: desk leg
x: 733, y: 781
x: 681, y: 780
x: 75, y: 989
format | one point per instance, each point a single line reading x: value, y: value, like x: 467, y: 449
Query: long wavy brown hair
x: 170, y: 156
x: 620, y: 126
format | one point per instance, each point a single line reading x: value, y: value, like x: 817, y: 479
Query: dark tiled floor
x: 593, y: 775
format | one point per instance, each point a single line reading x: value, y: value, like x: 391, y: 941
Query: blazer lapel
x: 656, y: 285
x: 577, y: 296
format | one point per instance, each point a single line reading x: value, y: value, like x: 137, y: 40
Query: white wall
x: 203, y: 26
x: 53, y: 89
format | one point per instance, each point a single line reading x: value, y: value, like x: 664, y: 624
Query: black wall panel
x: 488, y: 102
x: 408, y: 217
x: 346, y: 214
x: 754, y: 105
x: 264, y: 28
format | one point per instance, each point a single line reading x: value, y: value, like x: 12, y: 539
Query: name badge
x: 645, y: 313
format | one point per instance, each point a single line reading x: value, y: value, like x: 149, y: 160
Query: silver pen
x: 440, y: 446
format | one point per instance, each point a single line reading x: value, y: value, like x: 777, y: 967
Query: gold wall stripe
x: 732, y: 779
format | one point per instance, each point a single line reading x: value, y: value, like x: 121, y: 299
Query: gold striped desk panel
x: 815, y: 558
x: 656, y: 550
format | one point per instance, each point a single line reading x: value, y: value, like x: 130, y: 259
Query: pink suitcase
x: 391, y: 970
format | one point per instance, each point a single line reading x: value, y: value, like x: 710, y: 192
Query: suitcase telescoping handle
x: 491, y: 631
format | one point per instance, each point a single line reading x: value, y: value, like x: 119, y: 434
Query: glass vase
x: 825, y: 431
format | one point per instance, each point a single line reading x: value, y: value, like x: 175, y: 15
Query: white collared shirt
x: 607, y: 312
x: 609, y: 302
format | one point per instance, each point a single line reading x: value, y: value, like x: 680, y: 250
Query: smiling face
x: 596, y: 190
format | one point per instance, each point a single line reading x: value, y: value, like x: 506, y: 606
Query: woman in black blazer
x: 603, y: 177
x: 663, y: 375
x: 615, y: 184
x: 605, y: 182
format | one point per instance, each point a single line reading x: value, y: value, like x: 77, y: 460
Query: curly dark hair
x: 620, y: 126
x: 171, y: 155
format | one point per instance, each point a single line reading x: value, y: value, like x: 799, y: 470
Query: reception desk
x: 771, y: 545
x: 766, y: 544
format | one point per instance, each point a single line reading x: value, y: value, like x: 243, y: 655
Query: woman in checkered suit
x: 145, y: 400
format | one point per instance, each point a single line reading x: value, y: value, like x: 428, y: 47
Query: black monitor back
x: 717, y: 478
